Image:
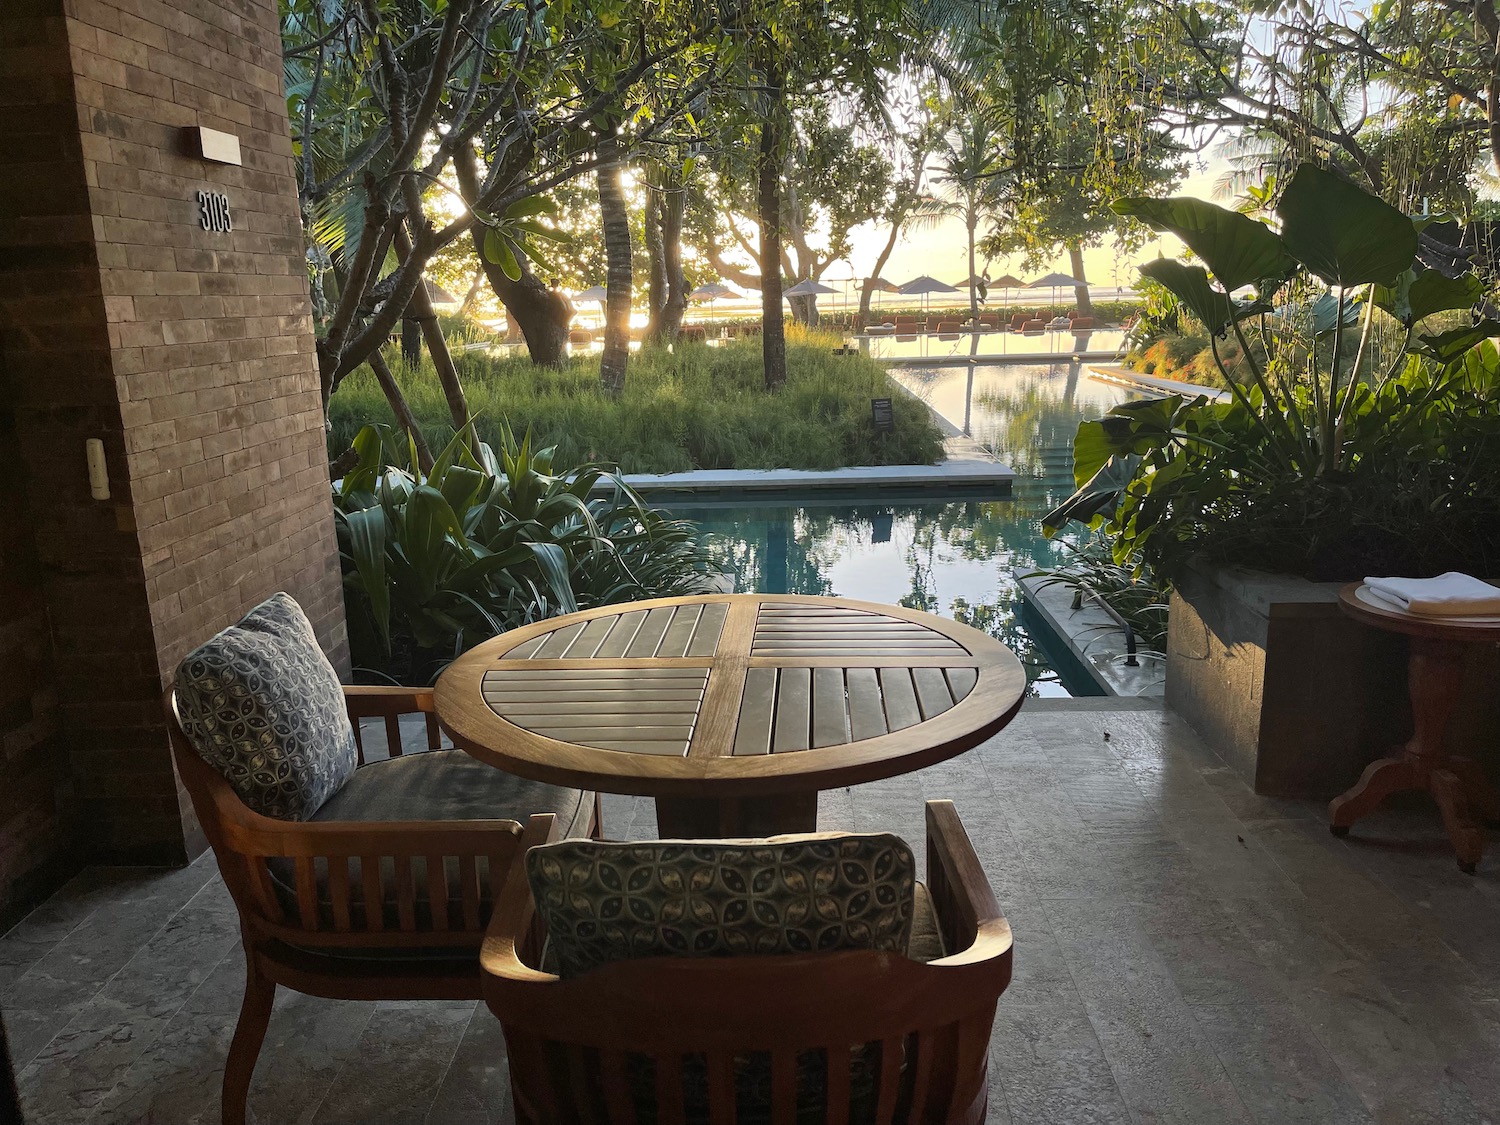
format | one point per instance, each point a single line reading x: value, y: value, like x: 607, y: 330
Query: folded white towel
x: 1448, y: 595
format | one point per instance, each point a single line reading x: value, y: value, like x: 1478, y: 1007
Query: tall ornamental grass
x: 697, y: 407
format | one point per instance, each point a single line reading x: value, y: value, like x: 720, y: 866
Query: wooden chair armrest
x: 390, y: 703
x: 513, y: 922
x: 263, y: 836
x: 968, y: 914
x: 368, y: 700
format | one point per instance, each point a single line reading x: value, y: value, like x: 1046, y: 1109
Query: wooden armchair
x: 889, y: 1039
x: 359, y: 909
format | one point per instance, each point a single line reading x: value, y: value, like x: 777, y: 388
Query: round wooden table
x: 732, y: 710
x: 1435, y: 671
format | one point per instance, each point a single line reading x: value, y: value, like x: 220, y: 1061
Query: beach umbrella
x: 711, y: 292
x: 924, y: 287
x: 808, y: 288
x: 1056, y: 281
x: 879, y: 285
x: 437, y: 294
x: 975, y: 281
x: 1006, y: 282
x: 594, y: 293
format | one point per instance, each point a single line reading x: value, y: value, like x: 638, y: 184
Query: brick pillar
x: 189, y: 352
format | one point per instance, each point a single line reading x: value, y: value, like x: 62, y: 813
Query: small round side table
x: 1435, y: 669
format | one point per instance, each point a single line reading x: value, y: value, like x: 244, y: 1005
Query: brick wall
x: 190, y: 353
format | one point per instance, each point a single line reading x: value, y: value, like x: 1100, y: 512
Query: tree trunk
x: 537, y: 311
x: 672, y: 312
x: 411, y: 337
x: 773, y: 328
x: 420, y: 307
x: 476, y: 283
x: 973, y: 222
x: 973, y: 291
x: 656, y: 280
x: 804, y: 310
x: 401, y: 409
x: 867, y: 288
x: 618, y: 276
x: 1080, y: 292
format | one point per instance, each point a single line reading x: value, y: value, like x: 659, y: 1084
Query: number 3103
x: 213, y: 211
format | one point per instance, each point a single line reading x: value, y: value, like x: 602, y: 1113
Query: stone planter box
x: 1294, y: 694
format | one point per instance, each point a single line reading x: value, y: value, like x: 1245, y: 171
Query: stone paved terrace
x: 1186, y: 952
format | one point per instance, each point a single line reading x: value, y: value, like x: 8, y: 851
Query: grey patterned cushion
x: 792, y: 894
x: 262, y: 705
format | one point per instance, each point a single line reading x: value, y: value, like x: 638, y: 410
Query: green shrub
x: 1331, y: 459
x: 697, y: 407
x: 483, y: 544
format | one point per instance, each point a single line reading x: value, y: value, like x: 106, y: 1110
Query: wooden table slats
x: 740, y: 703
x: 757, y: 710
x: 866, y: 709
x: 557, y: 643
x: 645, y: 710
x: 621, y: 633
x: 830, y: 715
x: 900, y: 697
x: 793, y: 709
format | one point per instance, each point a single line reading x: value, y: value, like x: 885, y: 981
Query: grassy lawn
x: 697, y: 408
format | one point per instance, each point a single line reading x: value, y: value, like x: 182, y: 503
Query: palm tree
x: 971, y: 168
x: 619, y: 274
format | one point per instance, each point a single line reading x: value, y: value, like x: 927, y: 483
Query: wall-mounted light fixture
x: 98, y: 471
x: 212, y: 145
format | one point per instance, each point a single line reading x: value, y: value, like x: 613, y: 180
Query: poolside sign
x: 881, y: 414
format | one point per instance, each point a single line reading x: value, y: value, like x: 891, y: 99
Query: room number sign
x: 213, y: 212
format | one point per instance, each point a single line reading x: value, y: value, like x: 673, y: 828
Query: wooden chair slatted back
x: 696, y: 1022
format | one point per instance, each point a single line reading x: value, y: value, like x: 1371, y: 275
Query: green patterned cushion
x: 605, y: 902
x: 262, y: 705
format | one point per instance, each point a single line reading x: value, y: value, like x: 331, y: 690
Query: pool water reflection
x: 957, y: 556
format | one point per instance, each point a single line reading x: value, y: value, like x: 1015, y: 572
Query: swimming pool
x: 954, y: 555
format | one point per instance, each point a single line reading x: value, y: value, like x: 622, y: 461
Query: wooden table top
x: 1358, y: 602
x: 729, y: 695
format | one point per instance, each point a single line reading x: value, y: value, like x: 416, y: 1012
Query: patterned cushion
x: 262, y: 705
x: 792, y: 894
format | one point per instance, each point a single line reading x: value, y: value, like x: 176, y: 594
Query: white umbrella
x: 711, y: 291
x: 808, y: 288
x: 1006, y: 283
x: 594, y: 293
x: 924, y: 287
x: 879, y: 285
x: 1056, y: 281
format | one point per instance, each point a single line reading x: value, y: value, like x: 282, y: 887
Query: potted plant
x: 1362, y: 437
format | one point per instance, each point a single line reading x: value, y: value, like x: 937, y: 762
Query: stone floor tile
x: 401, y: 1062
x: 84, y: 1061
x: 1164, y: 1066
x: 310, y: 1044
x: 1047, y: 1060
x: 79, y: 965
x: 476, y: 1089
x: 173, y: 1081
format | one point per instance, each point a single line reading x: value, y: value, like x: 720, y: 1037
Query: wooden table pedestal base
x: 689, y: 818
x: 1459, y: 786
